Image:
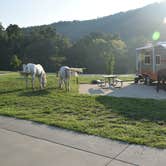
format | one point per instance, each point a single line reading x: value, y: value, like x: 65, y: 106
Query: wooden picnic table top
x: 110, y: 76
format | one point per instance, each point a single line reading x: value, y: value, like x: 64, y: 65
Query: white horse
x: 65, y: 73
x: 64, y: 77
x: 34, y: 70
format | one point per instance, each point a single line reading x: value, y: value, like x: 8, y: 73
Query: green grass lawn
x: 136, y: 121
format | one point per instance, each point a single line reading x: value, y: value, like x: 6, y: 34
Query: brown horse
x: 161, y: 76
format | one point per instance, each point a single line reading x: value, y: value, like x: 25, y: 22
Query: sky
x: 38, y: 12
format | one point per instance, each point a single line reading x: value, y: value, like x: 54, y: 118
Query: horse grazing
x: 34, y: 70
x: 64, y: 77
x: 161, y: 76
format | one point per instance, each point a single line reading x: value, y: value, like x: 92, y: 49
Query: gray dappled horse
x: 64, y: 77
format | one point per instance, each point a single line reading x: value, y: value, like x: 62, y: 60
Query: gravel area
x: 129, y: 89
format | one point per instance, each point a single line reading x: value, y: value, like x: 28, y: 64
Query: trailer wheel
x: 136, y: 79
x: 148, y: 80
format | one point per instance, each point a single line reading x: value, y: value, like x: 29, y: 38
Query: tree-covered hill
x: 134, y: 23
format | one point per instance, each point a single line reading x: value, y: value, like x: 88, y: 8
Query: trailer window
x: 157, y: 59
x: 147, y: 59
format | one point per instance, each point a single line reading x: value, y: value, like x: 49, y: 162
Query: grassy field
x: 136, y: 121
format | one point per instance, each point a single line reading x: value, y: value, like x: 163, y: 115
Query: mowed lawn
x: 136, y: 121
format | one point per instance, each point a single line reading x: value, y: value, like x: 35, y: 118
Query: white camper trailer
x: 149, y: 60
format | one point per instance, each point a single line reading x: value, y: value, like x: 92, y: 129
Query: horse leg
x: 163, y: 81
x: 40, y: 81
x: 33, y: 81
x: 158, y: 84
x: 164, y: 85
x: 26, y: 81
x: 65, y: 82
x: 68, y: 85
x: 60, y: 83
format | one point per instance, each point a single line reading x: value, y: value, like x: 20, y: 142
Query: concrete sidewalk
x: 25, y: 143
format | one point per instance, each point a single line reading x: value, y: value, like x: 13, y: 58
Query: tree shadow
x: 38, y: 92
x: 135, y: 109
x: 10, y: 91
x: 95, y: 91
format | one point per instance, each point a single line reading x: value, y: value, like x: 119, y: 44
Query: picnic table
x: 110, y: 78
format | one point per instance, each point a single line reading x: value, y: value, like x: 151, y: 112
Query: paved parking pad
x: 128, y: 90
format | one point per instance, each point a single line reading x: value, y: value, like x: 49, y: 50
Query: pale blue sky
x: 37, y: 12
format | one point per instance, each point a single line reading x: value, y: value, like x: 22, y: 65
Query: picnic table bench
x: 117, y: 80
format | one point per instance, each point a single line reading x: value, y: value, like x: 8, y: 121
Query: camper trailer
x: 149, y: 60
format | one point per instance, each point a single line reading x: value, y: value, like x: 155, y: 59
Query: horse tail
x: 67, y: 78
x: 67, y: 73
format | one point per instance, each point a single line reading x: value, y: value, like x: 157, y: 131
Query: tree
x: 13, y: 32
x: 15, y: 62
x: 58, y: 61
x: 14, y: 41
x: 110, y: 63
x: 114, y: 48
x: 44, y: 46
x: 98, y: 52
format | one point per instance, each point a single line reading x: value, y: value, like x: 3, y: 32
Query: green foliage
x: 58, y: 61
x: 15, y: 62
x: 110, y: 64
x: 41, y: 45
x: 96, y: 52
x: 13, y: 32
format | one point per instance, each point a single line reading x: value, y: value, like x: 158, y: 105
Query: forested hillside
x: 101, y: 45
x: 140, y: 22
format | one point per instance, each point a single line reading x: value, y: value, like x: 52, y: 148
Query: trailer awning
x: 163, y: 44
x: 149, y: 46
x: 144, y: 48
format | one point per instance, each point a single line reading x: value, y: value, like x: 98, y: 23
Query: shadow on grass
x: 10, y: 91
x: 136, y: 109
x: 35, y: 93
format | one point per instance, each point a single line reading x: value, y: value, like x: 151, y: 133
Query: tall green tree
x: 97, y: 52
x: 114, y: 49
x: 15, y: 62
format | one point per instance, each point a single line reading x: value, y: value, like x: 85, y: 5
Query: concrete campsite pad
x: 26, y: 143
x: 129, y: 89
